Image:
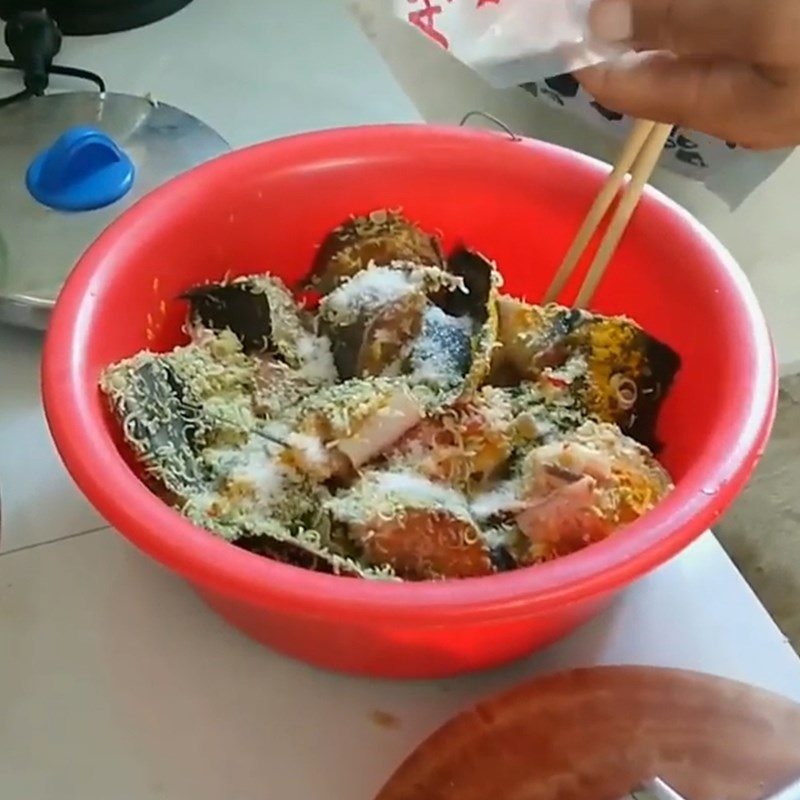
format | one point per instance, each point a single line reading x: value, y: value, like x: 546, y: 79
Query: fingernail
x: 611, y: 20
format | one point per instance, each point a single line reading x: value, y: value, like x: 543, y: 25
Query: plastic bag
x: 726, y: 169
x: 536, y: 44
x: 510, y: 42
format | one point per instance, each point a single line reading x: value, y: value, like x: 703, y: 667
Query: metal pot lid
x: 40, y: 244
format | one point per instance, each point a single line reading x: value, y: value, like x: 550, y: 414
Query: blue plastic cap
x: 84, y: 169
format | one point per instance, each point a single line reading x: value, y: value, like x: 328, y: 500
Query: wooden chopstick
x: 636, y: 141
x: 640, y: 175
x: 639, y: 157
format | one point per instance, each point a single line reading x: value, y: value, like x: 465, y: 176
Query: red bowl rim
x: 101, y: 473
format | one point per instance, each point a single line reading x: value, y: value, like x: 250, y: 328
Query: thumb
x: 728, y: 100
x: 764, y: 33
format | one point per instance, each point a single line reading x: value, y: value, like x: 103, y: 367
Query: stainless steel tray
x: 38, y: 245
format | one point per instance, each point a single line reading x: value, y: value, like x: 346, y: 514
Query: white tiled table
x: 115, y: 682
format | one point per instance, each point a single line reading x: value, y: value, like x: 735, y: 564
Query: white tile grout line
x: 66, y: 538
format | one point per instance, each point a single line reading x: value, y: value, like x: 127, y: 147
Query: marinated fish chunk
x: 480, y: 280
x: 438, y: 327
x: 478, y: 302
x: 172, y: 405
x: 441, y: 355
x: 459, y: 328
x: 530, y: 339
x: 421, y: 529
x: 308, y: 555
x: 260, y: 500
x: 263, y: 315
x: 379, y: 238
x: 163, y: 425
x: 579, y: 490
x: 618, y: 371
x: 462, y: 445
x: 359, y: 419
x: 372, y: 317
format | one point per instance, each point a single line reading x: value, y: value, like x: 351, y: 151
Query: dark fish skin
x: 559, y: 334
x: 449, y: 343
x: 346, y: 341
x: 162, y: 416
x: 502, y: 560
x: 376, y: 339
x: 567, y: 322
x: 663, y: 366
x: 237, y: 307
x: 379, y: 238
x: 660, y: 366
x: 476, y: 272
x: 285, y: 552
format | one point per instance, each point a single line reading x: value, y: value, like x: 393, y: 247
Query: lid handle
x: 83, y: 169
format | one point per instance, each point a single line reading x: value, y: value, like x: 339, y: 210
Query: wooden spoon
x: 592, y: 734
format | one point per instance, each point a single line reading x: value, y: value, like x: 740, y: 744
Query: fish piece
x: 579, y: 490
x: 421, y: 529
x: 258, y: 497
x: 278, y: 387
x: 441, y: 355
x: 478, y: 302
x: 306, y: 555
x: 461, y: 445
x: 480, y: 280
x: 372, y: 318
x: 459, y: 327
x: 388, y: 335
x: 372, y: 341
x: 620, y: 373
x: 379, y: 238
x: 164, y: 426
x: 239, y: 306
x: 360, y: 419
x: 262, y: 314
x: 531, y: 338
x: 564, y: 521
x: 543, y: 413
x: 382, y: 428
x: 382, y: 323
x: 306, y: 549
x: 425, y: 545
x: 310, y: 456
x: 630, y: 374
x: 205, y: 389
x: 189, y: 416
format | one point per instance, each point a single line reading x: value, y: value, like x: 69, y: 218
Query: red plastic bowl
x: 268, y: 207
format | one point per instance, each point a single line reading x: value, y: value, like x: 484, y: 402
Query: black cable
x: 55, y: 69
x: 13, y: 98
x: 76, y: 72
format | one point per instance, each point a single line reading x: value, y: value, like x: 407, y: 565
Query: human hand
x: 728, y: 68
